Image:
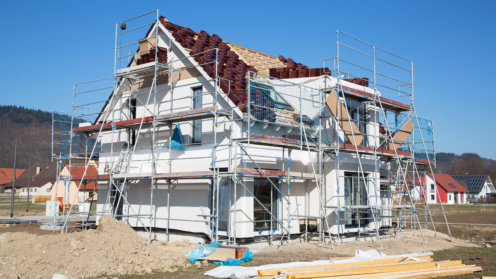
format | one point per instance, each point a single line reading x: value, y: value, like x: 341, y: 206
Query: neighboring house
x: 65, y: 191
x: 448, y: 189
x: 183, y: 185
x: 479, y: 186
x: 7, y: 175
x: 42, y: 177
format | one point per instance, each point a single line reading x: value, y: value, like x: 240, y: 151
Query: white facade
x: 487, y: 190
x: 43, y: 190
x: 188, y: 202
x: 430, y: 190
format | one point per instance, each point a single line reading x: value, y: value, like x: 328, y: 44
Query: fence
x: 482, y: 200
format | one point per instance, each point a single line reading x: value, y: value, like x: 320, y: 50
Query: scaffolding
x: 280, y: 115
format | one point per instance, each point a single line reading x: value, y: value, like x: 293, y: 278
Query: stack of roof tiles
x: 161, y: 56
x: 230, y: 68
x: 360, y: 81
x: 296, y: 70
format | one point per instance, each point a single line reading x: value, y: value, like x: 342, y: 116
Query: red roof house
x: 448, y: 189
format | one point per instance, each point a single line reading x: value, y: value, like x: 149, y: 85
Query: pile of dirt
x: 113, y: 249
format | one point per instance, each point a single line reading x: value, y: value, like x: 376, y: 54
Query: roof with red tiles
x: 448, y: 183
x: 48, y: 173
x: 7, y: 175
x: 78, y: 171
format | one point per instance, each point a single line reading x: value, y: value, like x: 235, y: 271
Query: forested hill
x: 32, y: 128
x: 467, y: 163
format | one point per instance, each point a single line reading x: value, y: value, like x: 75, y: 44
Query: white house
x: 207, y: 158
x: 42, y: 178
x: 479, y: 186
x: 448, y: 190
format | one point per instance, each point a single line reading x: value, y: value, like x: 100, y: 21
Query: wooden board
x: 347, y: 125
x: 357, y: 270
x: 220, y: 254
x: 425, y: 273
x: 402, y: 135
x: 374, y: 262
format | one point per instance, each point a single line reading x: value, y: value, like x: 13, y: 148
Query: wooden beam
x: 375, y: 269
x: 276, y: 271
x: 425, y: 273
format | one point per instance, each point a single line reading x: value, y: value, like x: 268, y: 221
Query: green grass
x: 460, y: 209
x: 15, y: 200
x: 18, y: 207
x: 465, y: 254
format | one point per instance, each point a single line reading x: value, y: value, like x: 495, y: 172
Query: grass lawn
x: 460, y: 209
x: 19, y: 207
x: 465, y: 254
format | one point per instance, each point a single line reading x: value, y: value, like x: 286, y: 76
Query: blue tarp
x: 177, y: 139
x: 205, y: 250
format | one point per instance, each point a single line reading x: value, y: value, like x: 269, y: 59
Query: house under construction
x: 202, y: 137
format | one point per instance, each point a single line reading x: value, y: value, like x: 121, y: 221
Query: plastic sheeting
x: 177, y: 139
x: 205, y: 250
x: 250, y: 272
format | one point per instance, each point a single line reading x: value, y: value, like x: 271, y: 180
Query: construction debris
x: 111, y: 250
x: 220, y: 255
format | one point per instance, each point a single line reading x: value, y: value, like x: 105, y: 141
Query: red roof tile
x: 448, y: 183
x: 7, y: 175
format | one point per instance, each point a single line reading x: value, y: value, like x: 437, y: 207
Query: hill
x: 33, y: 131
x: 32, y: 128
x: 467, y: 163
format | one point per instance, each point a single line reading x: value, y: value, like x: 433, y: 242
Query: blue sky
x: 50, y: 45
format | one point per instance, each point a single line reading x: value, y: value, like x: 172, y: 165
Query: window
x: 355, y: 194
x: 23, y: 190
x: 433, y: 197
x: 36, y: 190
x: 452, y: 185
x: 357, y: 111
x: 197, y: 124
x: 48, y: 190
x: 31, y: 190
x: 132, y: 115
x: 433, y: 189
x: 449, y: 197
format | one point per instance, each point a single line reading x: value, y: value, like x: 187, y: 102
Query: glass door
x: 268, y: 196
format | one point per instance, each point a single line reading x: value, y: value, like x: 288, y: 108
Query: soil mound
x: 112, y: 249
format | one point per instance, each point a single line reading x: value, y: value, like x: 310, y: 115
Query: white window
x: 449, y: 197
x: 433, y: 197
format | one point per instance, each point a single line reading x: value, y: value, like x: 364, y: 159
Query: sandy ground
x: 112, y: 249
x: 404, y: 244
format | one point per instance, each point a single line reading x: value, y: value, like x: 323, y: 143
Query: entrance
x: 268, y: 196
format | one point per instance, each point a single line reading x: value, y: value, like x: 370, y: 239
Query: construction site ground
x: 115, y: 250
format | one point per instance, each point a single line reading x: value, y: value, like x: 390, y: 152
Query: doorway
x: 269, y: 197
